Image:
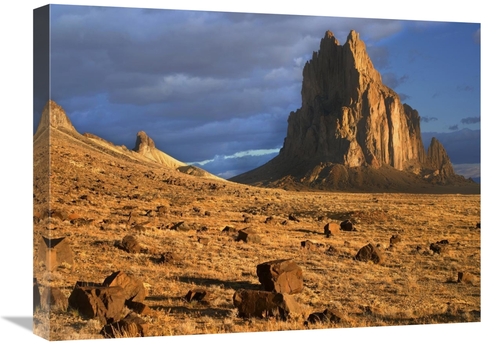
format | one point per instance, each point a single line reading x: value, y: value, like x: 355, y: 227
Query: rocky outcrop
x: 283, y: 276
x: 53, y: 115
x: 146, y: 147
x: 349, y: 127
x: 266, y: 304
x: 97, y: 301
x: 438, y: 162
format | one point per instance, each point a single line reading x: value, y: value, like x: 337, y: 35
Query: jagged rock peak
x: 438, y: 160
x: 143, y: 142
x: 53, y: 115
x: 348, y: 116
x: 352, y: 131
x: 330, y: 36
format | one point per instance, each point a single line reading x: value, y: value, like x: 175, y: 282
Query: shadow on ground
x: 306, y: 231
x: 235, y: 285
x: 198, y: 312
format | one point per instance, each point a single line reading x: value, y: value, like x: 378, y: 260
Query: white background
x: 16, y: 168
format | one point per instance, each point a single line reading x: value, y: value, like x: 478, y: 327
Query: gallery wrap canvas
x: 226, y: 173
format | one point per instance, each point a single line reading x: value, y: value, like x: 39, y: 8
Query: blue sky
x: 217, y: 87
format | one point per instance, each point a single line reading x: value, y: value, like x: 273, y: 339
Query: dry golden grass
x: 118, y: 197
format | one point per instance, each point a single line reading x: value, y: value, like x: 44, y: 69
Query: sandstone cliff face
x: 348, y: 116
x: 352, y: 131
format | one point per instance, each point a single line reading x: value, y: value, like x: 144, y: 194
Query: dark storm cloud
x: 393, y: 81
x: 379, y: 56
x: 403, y: 97
x: 453, y: 128
x: 160, y: 55
x: 200, y: 84
x: 462, y: 146
x: 427, y: 119
x: 220, y: 137
x: 471, y: 120
x: 414, y: 55
x: 230, y: 167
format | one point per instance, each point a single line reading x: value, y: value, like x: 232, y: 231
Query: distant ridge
x: 145, y: 146
x: 54, y: 118
x: 352, y: 132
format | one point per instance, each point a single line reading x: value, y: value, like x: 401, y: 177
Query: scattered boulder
x: 92, y: 300
x: 331, y: 228
x: 196, y: 295
x: 161, y: 210
x: 347, y: 225
x: 440, y: 247
x: 170, y: 258
x: 203, y: 228
x: 311, y: 246
x: 327, y: 316
x: 330, y: 250
x: 203, y: 240
x: 269, y: 220
x: 130, y: 244
x: 395, y: 239
x: 283, y: 276
x: 54, y: 299
x: 264, y: 304
x: 248, y: 235
x: 133, y: 288
x: 229, y: 230
x: 129, y: 327
x: 370, y: 253
x: 181, y: 226
x: 465, y: 277
x: 293, y: 217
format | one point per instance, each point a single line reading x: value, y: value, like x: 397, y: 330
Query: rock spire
x: 348, y: 116
x: 350, y: 128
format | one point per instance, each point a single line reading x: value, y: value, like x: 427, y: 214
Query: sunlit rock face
x: 348, y: 116
x: 53, y: 115
x: 352, y: 132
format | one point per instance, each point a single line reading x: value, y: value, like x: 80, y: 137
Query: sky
x: 17, y: 160
x: 216, y: 88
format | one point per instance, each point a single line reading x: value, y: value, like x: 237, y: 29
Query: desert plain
x: 187, y: 228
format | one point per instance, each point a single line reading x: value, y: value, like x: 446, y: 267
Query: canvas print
x: 199, y: 172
